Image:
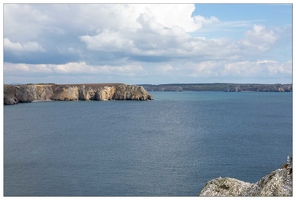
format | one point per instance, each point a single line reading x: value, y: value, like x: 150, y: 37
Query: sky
x: 147, y: 43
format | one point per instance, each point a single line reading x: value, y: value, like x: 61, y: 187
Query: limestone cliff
x: 86, y: 93
x: 106, y: 93
x: 26, y: 93
x: 14, y: 94
x: 65, y: 93
x: 131, y: 92
x: 277, y: 183
x: 10, y: 95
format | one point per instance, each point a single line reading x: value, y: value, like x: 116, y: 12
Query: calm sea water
x: 168, y: 147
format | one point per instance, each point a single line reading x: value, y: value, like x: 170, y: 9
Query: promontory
x: 14, y: 94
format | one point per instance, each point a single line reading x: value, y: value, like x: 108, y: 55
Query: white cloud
x: 201, y: 21
x: 107, y: 40
x: 166, y: 69
x: 206, y: 68
x: 144, y: 38
x: 259, y: 38
x: 24, y: 22
x: 239, y: 69
x: 132, y: 29
x: 169, y: 15
x: 12, y: 46
x: 18, y: 68
x: 72, y: 68
x: 28, y: 46
x: 152, y: 38
x: 261, y: 34
x: 139, y: 73
x: 90, y: 17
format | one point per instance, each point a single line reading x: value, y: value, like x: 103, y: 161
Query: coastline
x: 14, y: 94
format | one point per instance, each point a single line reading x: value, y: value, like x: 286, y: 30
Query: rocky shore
x: 14, y: 94
x: 277, y: 183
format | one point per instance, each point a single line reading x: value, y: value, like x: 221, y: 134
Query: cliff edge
x: 14, y: 94
x: 277, y: 183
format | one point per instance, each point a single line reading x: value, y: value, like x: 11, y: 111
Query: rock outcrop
x: 106, y: 93
x: 14, y: 94
x: 9, y: 95
x: 86, y: 93
x: 277, y: 183
x: 65, y: 93
x: 131, y: 92
x: 26, y: 93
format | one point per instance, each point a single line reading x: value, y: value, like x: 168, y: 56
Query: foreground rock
x: 277, y: 183
x: 14, y: 94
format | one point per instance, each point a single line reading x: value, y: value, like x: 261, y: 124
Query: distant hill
x: 225, y: 87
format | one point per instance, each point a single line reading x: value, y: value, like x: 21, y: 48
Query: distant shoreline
x: 223, y: 87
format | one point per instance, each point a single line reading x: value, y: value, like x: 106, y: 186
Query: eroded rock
x: 32, y: 92
x: 277, y: 183
x: 65, y: 93
x: 10, y: 95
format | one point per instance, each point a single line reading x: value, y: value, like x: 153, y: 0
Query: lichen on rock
x: 277, y: 183
x: 224, y: 187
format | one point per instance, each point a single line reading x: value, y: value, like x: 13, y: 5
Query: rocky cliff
x: 14, y: 94
x: 277, y: 183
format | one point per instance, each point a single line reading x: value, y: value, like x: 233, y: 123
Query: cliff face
x: 131, y: 92
x: 26, y: 93
x: 9, y: 95
x: 65, y: 93
x: 277, y: 183
x: 99, y: 92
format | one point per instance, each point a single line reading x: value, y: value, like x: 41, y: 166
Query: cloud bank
x: 137, y: 43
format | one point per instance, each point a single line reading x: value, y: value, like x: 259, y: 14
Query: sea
x: 167, y: 147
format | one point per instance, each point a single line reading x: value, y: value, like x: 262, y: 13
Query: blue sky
x: 147, y: 43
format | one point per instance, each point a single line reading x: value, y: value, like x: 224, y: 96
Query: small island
x: 25, y: 93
